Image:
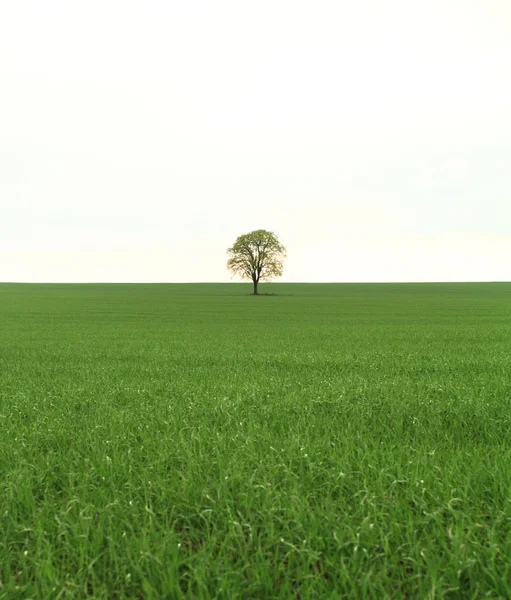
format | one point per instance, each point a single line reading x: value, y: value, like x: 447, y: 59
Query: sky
x: 138, y: 139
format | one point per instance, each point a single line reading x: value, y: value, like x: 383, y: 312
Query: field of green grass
x: 192, y: 441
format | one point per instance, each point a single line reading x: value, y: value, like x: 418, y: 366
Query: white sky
x: 139, y: 138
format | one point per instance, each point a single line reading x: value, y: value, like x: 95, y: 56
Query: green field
x: 192, y: 441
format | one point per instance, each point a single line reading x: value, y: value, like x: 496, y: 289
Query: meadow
x: 192, y: 441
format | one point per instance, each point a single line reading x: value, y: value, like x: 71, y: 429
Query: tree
x: 257, y: 256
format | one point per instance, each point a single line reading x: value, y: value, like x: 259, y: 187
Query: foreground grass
x: 191, y: 441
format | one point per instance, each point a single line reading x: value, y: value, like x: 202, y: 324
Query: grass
x: 190, y: 441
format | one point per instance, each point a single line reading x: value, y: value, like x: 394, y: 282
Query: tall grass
x: 176, y: 441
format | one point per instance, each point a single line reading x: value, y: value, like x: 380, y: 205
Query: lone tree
x: 257, y: 256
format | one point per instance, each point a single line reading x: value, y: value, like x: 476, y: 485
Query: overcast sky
x: 139, y: 138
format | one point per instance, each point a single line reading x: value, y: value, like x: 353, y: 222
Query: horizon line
x: 248, y: 283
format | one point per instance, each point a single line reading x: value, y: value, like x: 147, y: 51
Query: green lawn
x: 192, y: 441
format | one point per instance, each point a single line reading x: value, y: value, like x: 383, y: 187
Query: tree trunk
x: 256, y: 283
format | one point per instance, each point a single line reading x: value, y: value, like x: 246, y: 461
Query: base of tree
x: 266, y: 294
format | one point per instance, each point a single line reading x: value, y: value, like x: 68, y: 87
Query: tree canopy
x: 257, y: 256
